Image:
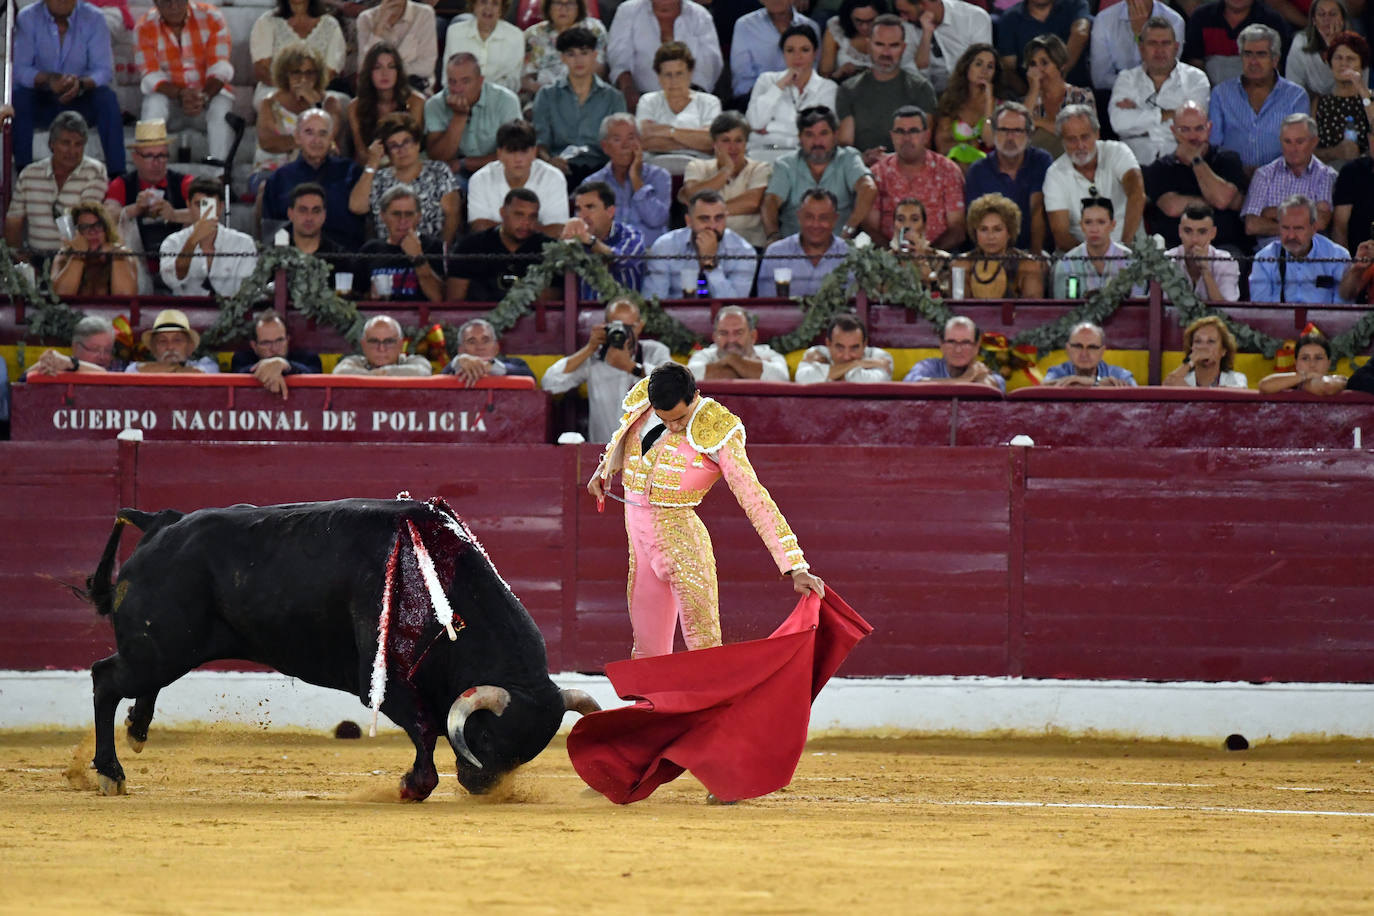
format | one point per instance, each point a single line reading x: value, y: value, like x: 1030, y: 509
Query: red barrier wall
x: 1202, y: 564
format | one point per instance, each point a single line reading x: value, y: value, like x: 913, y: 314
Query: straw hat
x: 171, y: 320
x: 150, y: 133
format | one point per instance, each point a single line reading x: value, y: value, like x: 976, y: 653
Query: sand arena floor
x: 236, y: 820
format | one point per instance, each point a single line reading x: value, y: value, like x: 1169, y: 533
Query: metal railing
x: 7, y: 124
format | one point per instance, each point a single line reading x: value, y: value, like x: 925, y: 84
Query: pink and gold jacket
x: 680, y: 469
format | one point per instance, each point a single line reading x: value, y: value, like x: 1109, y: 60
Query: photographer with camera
x: 612, y: 361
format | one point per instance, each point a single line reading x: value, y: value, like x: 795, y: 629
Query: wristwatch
x: 1197, y: 161
x: 76, y: 364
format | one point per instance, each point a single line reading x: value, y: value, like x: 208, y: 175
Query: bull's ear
x: 579, y: 701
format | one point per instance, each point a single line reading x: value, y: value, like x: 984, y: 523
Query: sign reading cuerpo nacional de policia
x: 317, y: 409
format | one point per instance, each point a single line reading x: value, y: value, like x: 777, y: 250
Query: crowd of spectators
x: 430, y: 152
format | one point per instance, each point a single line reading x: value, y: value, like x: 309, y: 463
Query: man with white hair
x: 1091, y: 168
x: 172, y: 341
x: 1085, y: 367
x: 1301, y: 265
x: 383, y: 347
x: 93, y: 341
x: 1297, y: 170
x: 735, y: 352
x: 642, y: 190
x: 336, y: 174
x: 1247, y: 111
x: 1145, y: 98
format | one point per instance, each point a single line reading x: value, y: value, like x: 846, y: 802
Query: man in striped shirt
x: 50, y: 187
x: 182, y: 50
x: 1295, y: 171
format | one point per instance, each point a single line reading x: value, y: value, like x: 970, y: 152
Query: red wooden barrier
x: 1204, y: 564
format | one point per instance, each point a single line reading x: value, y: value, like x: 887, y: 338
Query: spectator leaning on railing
x: 958, y: 362
x: 171, y: 341
x: 1085, y: 366
x: 735, y: 353
x: 479, y: 354
x: 93, y: 342
x: 845, y: 356
x: 383, y: 352
x: 1209, y: 356
x: 1311, y: 370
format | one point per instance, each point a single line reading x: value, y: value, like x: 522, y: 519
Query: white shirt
x: 772, y: 113
x: 964, y: 24
x: 809, y: 373
x: 606, y: 386
x: 1229, y: 378
x: 1113, y: 45
x: 1065, y: 186
x: 634, y: 37
x: 774, y: 363
x: 501, y: 56
x: 224, y: 276
x: 699, y: 111
x: 1143, y: 127
x: 207, y: 364
x: 1225, y: 270
x: 488, y: 187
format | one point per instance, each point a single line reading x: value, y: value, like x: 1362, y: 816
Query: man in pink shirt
x: 913, y: 170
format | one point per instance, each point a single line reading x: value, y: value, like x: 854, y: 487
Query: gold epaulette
x: 637, y: 397
x: 711, y: 426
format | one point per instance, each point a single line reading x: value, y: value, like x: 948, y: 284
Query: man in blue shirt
x: 809, y: 256
x: 713, y: 258
x: 63, y: 61
x: 1236, y: 125
x: 1300, y: 266
x: 642, y: 191
x: 958, y: 362
x: 818, y: 161
x: 1085, y: 366
x: 1014, y: 169
x: 595, y: 226
x: 336, y: 174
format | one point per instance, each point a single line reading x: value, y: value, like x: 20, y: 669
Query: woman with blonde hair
x: 94, y: 262
x: 300, y: 77
x: 1209, y: 357
x: 994, y: 269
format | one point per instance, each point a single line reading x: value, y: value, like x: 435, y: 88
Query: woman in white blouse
x: 292, y: 21
x: 676, y: 117
x: 498, y: 46
x: 778, y: 96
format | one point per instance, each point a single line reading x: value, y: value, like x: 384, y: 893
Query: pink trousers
x: 672, y: 578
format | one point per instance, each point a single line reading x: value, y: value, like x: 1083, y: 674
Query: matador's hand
x: 803, y: 582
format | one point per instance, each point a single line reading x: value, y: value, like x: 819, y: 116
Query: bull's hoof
x: 110, y: 786
x: 712, y: 799
x: 135, y: 744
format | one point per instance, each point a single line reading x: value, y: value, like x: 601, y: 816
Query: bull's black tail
x: 98, y: 591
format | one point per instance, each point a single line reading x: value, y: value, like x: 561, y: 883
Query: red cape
x: 735, y: 715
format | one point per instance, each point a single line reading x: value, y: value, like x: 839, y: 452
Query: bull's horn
x: 579, y: 701
x: 474, y: 698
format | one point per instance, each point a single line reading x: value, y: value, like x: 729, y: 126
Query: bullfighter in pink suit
x: 671, y: 447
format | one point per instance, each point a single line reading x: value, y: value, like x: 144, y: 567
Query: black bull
x: 300, y: 588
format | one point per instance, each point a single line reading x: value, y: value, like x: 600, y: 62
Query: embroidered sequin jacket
x: 680, y: 468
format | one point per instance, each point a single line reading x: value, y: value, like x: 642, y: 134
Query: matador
x: 671, y: 447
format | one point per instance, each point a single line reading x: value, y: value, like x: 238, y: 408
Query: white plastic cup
x: 782, y: 279
x: 343, y: 282
x: 282, y: 238
x: 25, y: 269
x: 687, y: 277
x: 956, y: 283
x: 381, y: 285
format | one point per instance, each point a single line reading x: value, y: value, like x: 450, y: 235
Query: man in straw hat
x: 171, y: 341
x: 152, y: 198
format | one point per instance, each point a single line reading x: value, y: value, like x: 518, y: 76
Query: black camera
x: 618, y: 334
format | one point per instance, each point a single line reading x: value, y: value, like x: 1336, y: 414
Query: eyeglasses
x: 153, y: 157
x: 273, y: 342
x: 96, y: 226
x: 382, y: 341
x: 310, y: 73
x: 1011, y: 130
x: 398, y: 145
x: 98, y: 351
x: 1091, y: 348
